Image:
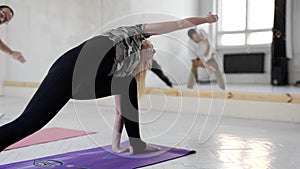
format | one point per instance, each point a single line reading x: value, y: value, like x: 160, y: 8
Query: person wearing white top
x: 203, y: 55
x: 6, y: 14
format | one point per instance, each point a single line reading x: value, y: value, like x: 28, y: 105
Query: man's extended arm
x: 15, y: 54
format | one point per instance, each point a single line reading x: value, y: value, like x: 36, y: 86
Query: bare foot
x: 149, y: 148
x: 120, y: 149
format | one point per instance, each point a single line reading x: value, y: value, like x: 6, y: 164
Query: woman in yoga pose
x: 140, y: 76
x: 101, y: 66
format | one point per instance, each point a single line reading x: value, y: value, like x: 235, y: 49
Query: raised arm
x: 117, y: 133
x: 15, y: 54
x: 171, y: 26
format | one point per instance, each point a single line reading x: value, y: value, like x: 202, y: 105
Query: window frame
x: 247, y: 31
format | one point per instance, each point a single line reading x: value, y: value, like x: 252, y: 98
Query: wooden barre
x: 231, y: 95
x: 21, y: 84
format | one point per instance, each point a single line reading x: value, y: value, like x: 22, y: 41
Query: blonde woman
x: 99, y: 67
x: 140, y: 76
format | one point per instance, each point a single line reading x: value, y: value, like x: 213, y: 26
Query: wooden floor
x: 237, y: 143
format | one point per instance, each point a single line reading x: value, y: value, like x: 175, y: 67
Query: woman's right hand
x: 212, y: 18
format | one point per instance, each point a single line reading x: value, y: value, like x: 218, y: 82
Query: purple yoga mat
x: 100, y: 158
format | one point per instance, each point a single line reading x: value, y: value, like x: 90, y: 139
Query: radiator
x: 244, y: 63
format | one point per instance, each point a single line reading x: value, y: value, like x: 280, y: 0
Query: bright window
x: 245, y: 22
x: 257, y: 38
x: 229, y: 12
x: 233, y: 39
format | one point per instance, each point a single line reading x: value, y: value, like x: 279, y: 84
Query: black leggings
x: 66, y: 80
x: 156, y: 68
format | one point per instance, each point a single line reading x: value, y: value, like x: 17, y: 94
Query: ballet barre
x: 230, y: 95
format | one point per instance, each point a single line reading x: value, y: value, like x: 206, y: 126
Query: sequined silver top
x: 127, y: 41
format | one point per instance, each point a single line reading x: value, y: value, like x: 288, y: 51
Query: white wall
x: 43, y: 29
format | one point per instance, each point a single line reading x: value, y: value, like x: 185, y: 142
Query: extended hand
x: 210, y: 69
x: 212, y: 18
x: 18, y: 56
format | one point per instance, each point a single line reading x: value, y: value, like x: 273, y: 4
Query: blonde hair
x: 141, y: 70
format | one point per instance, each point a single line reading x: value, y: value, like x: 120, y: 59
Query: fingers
x: 211, y: 70
x: 216, y: 17
x: 21, y: 59
x: 18, y: 56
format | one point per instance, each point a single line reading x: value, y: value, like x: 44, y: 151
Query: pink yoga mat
x: 48, y: 135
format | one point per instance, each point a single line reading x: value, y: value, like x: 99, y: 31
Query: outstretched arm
x: 118, y: 128
x: 171, y: 26
x: 15, y: 54
x: 117, y: 133
x: 201, y: 63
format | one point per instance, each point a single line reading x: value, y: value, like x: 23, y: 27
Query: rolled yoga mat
x: 101, y: 158
x: 48, y: 135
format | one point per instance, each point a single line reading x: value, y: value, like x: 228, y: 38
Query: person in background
x: 203, y: 55
x: 6, y: 14
x: 156, y: 68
